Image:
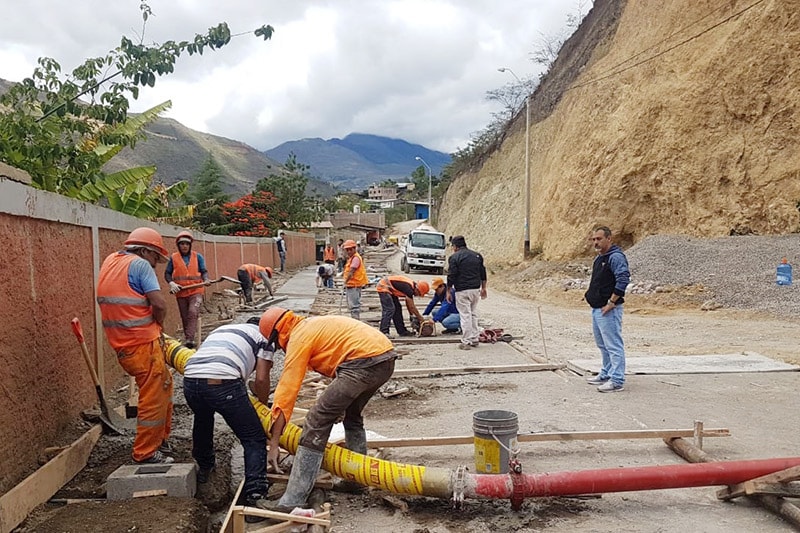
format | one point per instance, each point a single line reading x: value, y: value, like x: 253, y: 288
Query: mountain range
x: 360, y: 159
x: 352, y: 163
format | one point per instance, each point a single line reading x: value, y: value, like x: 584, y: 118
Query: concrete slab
x: 300, y: 290
x: 691, y: 364
x: 130, y: 481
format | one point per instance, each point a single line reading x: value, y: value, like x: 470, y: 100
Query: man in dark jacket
x: 467, y: 275
x: 605, y: 295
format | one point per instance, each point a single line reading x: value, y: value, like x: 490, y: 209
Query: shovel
x: 202, y: 284
x: 111, y: 421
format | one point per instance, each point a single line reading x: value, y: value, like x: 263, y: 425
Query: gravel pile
x: 739, y: 271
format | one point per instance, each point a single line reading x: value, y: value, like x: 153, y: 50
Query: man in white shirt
x: 214, y: 382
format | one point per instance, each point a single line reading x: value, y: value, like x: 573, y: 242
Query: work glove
x: 174, y: 288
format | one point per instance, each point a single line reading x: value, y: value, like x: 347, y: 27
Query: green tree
x: 63, y: 142
x: 291, y: 203
x: 207, y: 195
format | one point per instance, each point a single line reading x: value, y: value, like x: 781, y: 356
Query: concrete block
x: 132, y: 481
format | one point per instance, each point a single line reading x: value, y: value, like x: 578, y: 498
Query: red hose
x: 624, y: 479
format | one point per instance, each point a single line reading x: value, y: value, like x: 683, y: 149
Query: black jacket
x: 465, y: 270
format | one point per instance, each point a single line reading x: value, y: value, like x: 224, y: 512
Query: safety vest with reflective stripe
x: 359, y: 278
x: 127, y: 315
x: 253, y: 271
x: 329, y: 254
x: 184, y: 275
x: 387, y: 285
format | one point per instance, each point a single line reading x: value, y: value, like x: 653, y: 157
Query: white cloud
x: 411, y: 69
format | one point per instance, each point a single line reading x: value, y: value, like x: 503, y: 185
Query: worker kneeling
x: 358, y: 358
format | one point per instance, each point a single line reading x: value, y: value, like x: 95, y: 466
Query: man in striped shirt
x: 214, y: 382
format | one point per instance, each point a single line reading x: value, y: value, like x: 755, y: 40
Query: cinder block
x: 131, y: 481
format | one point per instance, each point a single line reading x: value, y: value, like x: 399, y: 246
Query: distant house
x: 378, y: 193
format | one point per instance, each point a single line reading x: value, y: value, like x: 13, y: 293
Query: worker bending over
x: 214, y: 382
x: 390, y: 290
x: 250, y: 274
x: 358, y: 358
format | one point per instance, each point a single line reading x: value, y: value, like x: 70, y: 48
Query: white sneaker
x: 610, y: 386
x: 596, y: 380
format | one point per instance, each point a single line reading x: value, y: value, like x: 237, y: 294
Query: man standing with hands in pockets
x: 605, y: 295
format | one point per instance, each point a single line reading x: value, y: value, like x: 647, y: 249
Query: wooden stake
x: 541, y: 328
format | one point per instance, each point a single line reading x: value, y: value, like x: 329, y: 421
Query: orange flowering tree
x: 253, y: 215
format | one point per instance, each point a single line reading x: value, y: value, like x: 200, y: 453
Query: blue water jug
x: 784, y: 274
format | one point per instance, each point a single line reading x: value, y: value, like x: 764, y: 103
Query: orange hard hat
x: 349, y: 243
x: 148, y: 238
x: 422, y: 288
x: 269, y: 320
x: 436, y: 282
x: 184, y: 236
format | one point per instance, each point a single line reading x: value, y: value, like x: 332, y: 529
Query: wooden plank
x: 746, y: 487
x: 545, y: 437
x: 287, y: 526
x: 320, y: 482
x: 147, y: 493
x: 227, y: 524
x: 790, y: 490
x: 46, y: 481
x: 255, y: 511
x: 422, y: 372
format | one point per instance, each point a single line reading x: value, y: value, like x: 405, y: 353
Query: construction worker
x: 325, y: 275
x: 355, y: 278
x: 187, y: 268
x: 341, y: 256
x: 214, y: 382
x: 133, y: 311
x: 249, y: 274
x: 358, y: 358
x: 447, y: 314
x: 280, y: 242
x: 390, y: 290
x: 329, y: 254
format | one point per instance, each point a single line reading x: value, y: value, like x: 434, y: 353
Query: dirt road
x: 760, y: 409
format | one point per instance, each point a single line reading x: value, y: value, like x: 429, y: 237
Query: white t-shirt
x: 229, y: 352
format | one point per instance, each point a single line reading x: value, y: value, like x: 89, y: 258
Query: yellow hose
x: 393, y: 477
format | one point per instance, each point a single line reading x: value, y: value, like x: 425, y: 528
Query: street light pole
x: 430, y: 205
x: 527, y: 232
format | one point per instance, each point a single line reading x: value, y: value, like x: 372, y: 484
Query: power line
x: 613, y: 70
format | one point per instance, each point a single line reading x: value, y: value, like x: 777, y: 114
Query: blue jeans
x: 452, y: 321
x: 230, y: 400
x: 283, y: 260
x: 329, y: 282
x: 608, y: 337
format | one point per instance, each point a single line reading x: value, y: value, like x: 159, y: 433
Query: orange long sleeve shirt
x: 320, y: 344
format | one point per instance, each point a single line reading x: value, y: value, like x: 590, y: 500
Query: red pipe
x: 622, y: 479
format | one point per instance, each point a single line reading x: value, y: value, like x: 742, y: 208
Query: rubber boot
x: 356, y: 441
x: 301, y: 480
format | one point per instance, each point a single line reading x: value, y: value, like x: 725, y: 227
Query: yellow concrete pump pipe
x: 393, y: 477
x: 515, y: 486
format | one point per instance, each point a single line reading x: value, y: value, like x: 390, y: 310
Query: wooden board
x: 543, y: 437
x: 46, y: 481
x: 422, y: 372
x: 690, y: 364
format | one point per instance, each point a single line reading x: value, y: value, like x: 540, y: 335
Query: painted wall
x: 52, y: 250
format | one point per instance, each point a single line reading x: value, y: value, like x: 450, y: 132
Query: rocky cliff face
x: 657, y: 118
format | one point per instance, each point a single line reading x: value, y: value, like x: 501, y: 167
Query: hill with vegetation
x: 656, y: 118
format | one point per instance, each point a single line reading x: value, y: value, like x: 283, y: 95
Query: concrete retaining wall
x: 52, y: 248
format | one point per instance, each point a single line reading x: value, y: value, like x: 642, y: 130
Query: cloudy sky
x: 417, y: 70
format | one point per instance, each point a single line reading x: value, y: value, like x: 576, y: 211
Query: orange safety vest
x: 359, y: 278
x: 329, y: 254
x: 127, y: 315
x: 253, y: 271
x: 184, y: 275
x: 387, y: 285
x: 321, y: 344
